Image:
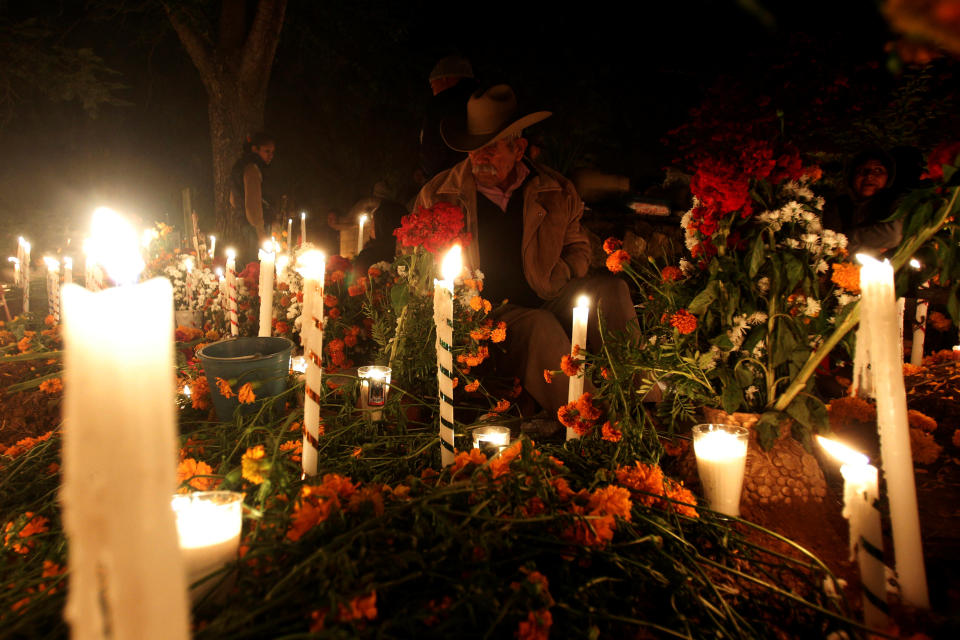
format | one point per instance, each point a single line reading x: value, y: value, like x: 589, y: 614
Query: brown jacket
x: 555, y: 248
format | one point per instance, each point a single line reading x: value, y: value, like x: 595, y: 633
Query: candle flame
x: 113, y: 244
x: 148, y: 236
x: 52, y: 263
x: 311, y: 264
x: 282, y: 261
x: 583, y: 301
x: 303, y: 215
x: 266, y: 253
x: 868, y: 260
x: 842, y: 452
x: 231, y: 253
x: 363, y: 218
x: 452, y: 264
x: 15, y: 261
x: 24, y: 244
x: 915, y: 264
x: 68, y: 263
x: 289, y: 220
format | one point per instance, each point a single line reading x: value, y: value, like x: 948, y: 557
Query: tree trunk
x: 235, y: 72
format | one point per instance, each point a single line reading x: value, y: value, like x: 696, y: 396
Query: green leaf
x: 732, y: 397
x: 703, y: 299
x: 798, y: 411
x: 756, y: 334
x: 722, y: 341
x: 756, y: 258
x: 768, y: 429
x: 794, y: 272
x: 399, y: 297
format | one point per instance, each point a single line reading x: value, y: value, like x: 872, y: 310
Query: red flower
x: 616, y: 259
x: 945, y: 153
x: 433, y: 229
x: 612, y: 244
x: 671, y: 274
x: 684, y: 321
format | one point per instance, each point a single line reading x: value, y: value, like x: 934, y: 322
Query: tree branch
x: 258, y: 51
x: 198, y: 47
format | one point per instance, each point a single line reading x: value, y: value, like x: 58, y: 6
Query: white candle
x: 362, y: 221
x: 208, y: 528
x: 53, y: 287
x: 443, y: 319
x: 267, y: 257
x: 25, y: 273
x: 67, y: 270
x: 581, y: 315
x: 303, y: 227
x: 290, y: 235
x: 374, y: 387
x: 232, y: 291
x: 876, y: 282
x: 919, y: 333
x: 492, y: 439
x: 213, y: 246
x: 721, y: 452
x: 311, y: 266
x: 119, y: 444
x: 283, y: 261
x: 860, y: 506
x: 16, y: 270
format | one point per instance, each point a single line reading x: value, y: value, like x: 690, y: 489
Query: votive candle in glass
x: 208, y: 527
x: 721, y: 451
x: 374, y: 387
x: 491, y: 440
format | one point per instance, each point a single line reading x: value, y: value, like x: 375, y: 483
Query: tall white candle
x: 25, y: 273
x: 861, y: 497
x: 311, y: 266
x: 443, y: 319
x: 53, y: 287
x: 581, y: 315
x: 303, y: 227
x: 119, y: 444
x: 16, y: 270
x: 290, y: 235
x: 283, y: 262
x: 267, y: 257
x: 232, y: 291
x: 213, y: 246
x: 362, y: 221
x: 67, y: 270
x: 919, y: 332
x: 876, y: 282
x: 188, y: 279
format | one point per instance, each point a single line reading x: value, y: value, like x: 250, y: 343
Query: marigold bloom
x: 644, y: 479
x: 200, y: 393
x: 548, y: 376
x: 847, y: 276
x: 337, y: 276
x: 684, y: 502
x: 611, y: 500
x: 224, y: 388
x: 502, y: 405
x: 189, y: 469
x: 612, y: 244
x: 610, y: 433
x: 246, y: 394
x: 500, y: 333
x: 536, y: 626
x: 851, y: 408
x: 501, y: 464
x: 330, y: 300
x: 684, y: 321
x: 253, y: 464
x: 51, y: 386
x: 32, y: 524
x: 295, y: 447
x: 921, y: 421
x: 24, y: 345
x: 361, y: 607
x: 477, y: 303
x: 318, y: 502
x: 570, y: 366
x: 586, y: 407
x: 616, y: 259
x: 939, y: 321
x: 473, y: 386
x: 49, y: 321
x: 463, y: 458
x: 924, y: 448
x: 671, y: 274
x: 480, y: 333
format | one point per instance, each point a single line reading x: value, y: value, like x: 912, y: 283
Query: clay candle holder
x: 721, y: 451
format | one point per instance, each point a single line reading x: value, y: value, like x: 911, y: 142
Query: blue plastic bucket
x: 262, y: 360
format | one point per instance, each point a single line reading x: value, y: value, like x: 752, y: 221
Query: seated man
x: 525, y: 223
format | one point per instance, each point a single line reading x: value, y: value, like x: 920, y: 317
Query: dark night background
x: 350, y: 80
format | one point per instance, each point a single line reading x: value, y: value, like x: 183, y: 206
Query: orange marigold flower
x: 212, y: 335
x: 374, y: 272
x: 848, y: 409
x: 49, y: 321
x: 28, y: 524
x: 189, y: 469
x: 604, y: 373
x: 570, y: 366
x: 939, y: 321
x: 921, y: 421
x: 253, y: 464
x: 847, y: 276
x: 502, y: 405
x: 925, y: 449
x: 330, y: 300
x: 548, y: 376
x: 684, y: 321
x: 318, y: 502
x: 501, y: 464
x: 360, y: 608
x: 586, y: 407
x: 295, y: 447
x: 683, y: 500
x: 246, y: 394
x: 474, y: 359
x: 357, y: 452
x: 480, y: 333
x: 911, y: 369
x: 200, y: 393
x: 616, y: 259
x: 464, y: 458
x: 224, y: 388
x: 671, y: 274
x: 536, y: 626
x: 611, y: 501
x: 473, y: 386
x: 337, y: 276
x: 644, y: 479
x: 24, y: 344
x: 51, y: 386
x: 610, y: 433
x: 612, y: 244
x: 476, y: 303
x: 500, y: 333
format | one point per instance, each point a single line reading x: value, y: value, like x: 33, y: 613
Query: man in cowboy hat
x: 524, y: 219
x: 452, y: 83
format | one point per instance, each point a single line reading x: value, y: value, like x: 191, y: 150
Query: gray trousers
x: 538, y: 338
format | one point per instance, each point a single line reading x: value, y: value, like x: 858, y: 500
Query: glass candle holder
x: 374, y: 387
x: 491, y: 440
x: 298, y: 364
x: 208, y: 527
x: 721, y: 451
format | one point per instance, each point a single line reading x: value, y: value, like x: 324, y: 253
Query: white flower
x: 686, y: 266
x: 653, y: 340
x: 793, y: 243
x: 822, y: 266
x: 845, y: 298
x: 812, y: 309
x: 810, y: 240
x: 792, y: 211
x: 751, y: 391
x: 402, y: 270
x: 757, y: 317
x: 737, y: 332
x: 758, y: 350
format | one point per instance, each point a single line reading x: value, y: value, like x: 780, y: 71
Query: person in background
x: 524, y: 220
x: 451, y: 82
x: 249, y: 212
x: 382, y: 245
x: 861, y: 213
